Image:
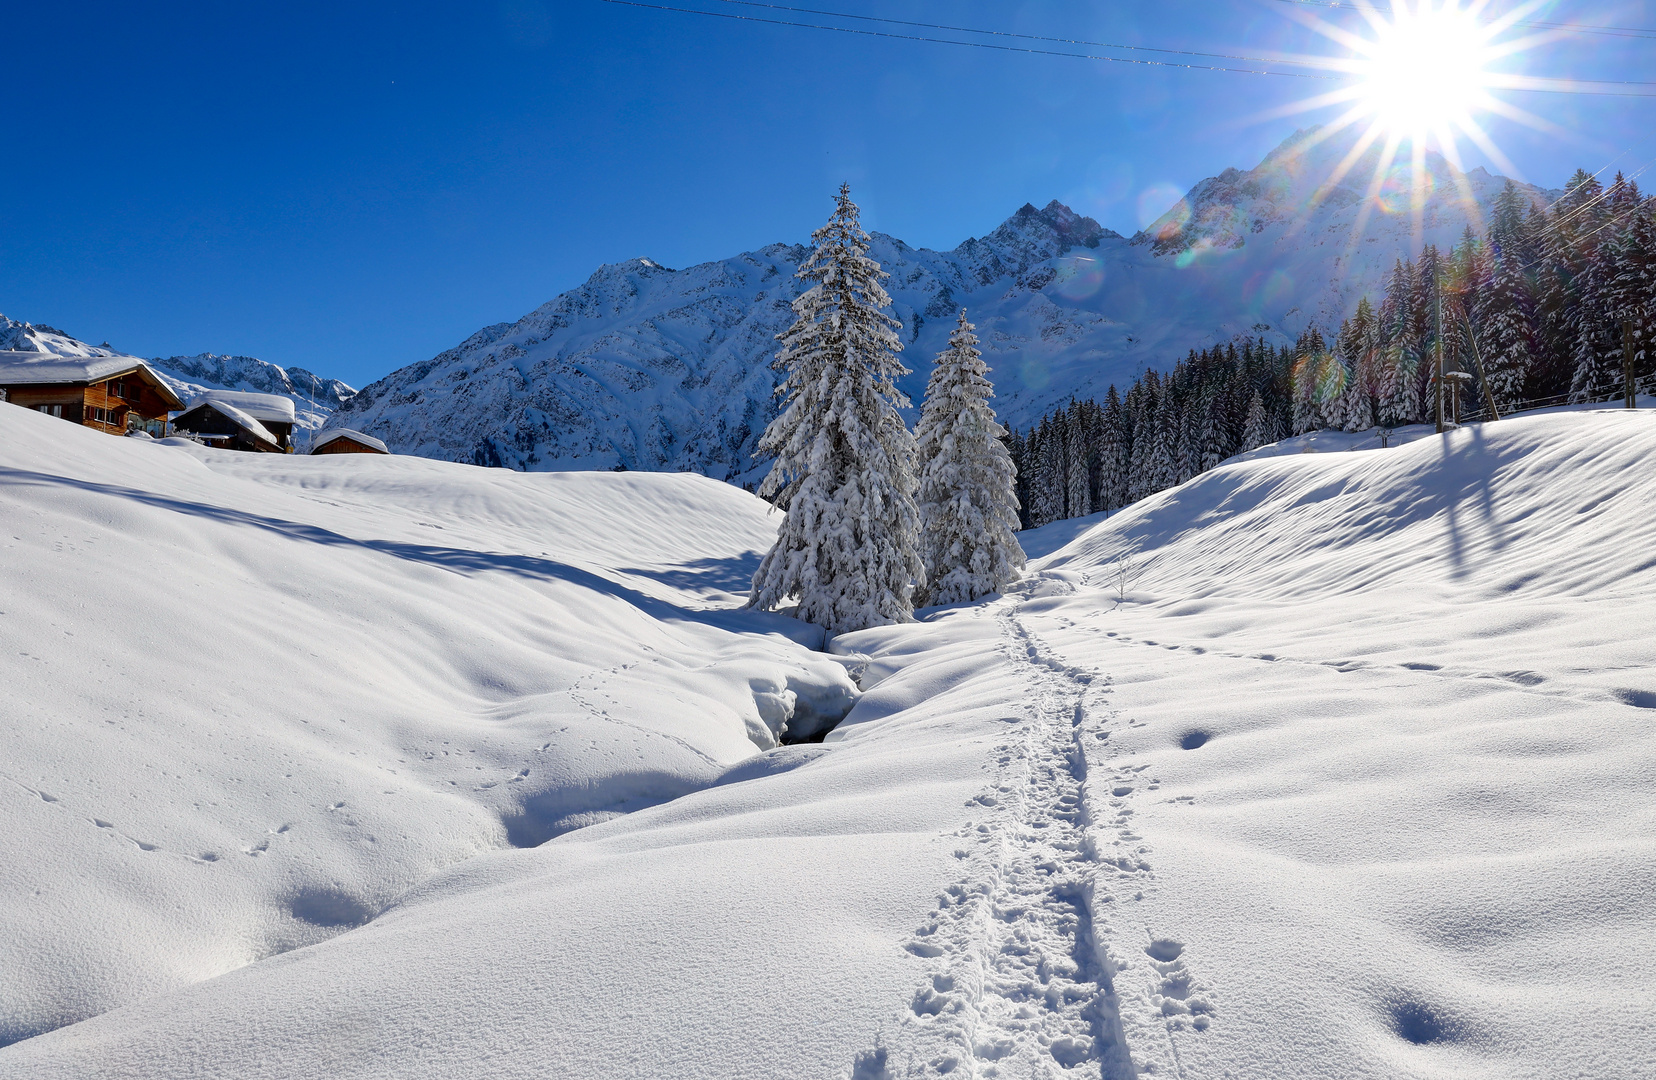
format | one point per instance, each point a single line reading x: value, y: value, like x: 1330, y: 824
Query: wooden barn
x: 221, y: 418
x: 346, y: 441
x: 114, y: 394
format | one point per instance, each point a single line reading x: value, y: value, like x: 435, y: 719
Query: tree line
x: 1551, y: 303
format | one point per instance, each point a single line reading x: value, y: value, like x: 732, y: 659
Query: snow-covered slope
x: 250, y: 699
x: 1353, y: 777
x: 646, y: 367
x: 314, y: 398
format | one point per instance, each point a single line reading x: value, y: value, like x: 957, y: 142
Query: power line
x: 1574, y: 28
x: 1522, y: 84
x: 1025, y: 37
x: 977, y: 44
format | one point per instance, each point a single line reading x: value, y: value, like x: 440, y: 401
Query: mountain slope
x: 646, y: 367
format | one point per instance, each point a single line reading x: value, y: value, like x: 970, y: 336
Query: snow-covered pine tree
x: 1216, y: 438
x: 1046, y: 487
x: 1161, y: 466
x: 1596, y: 357
x: 968, y: 508
x: 1395, y: 359
x: 1355, y: 349
x: 1504, y: 323
x: 1631, y: 292
x: 1146, y: 435
x: 1259, y: 430
x: 848, y: 550
x: 1078, y: 444
x: 1112, y: 454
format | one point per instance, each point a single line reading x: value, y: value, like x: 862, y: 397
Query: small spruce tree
x: 968, y: 508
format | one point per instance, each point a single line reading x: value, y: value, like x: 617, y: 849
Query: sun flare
x: 1424, y: 69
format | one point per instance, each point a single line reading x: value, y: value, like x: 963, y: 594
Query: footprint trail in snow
x: 1037, y: 969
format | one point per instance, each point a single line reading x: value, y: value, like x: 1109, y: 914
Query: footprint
x: 1420, y: 1024
x: 1192, y: 740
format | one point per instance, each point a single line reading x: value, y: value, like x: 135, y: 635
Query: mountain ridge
x: 642, y: 366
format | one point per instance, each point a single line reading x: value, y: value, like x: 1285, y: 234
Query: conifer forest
x: 1552, y: 304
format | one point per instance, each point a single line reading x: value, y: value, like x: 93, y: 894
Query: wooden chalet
x: 240, y: 420
x: 114, y: 394
x: 346, y: 441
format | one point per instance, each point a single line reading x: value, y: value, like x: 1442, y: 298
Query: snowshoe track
x: 1041, y: 967
x: 1022, y: 985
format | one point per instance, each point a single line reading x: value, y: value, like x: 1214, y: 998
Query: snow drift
x: 252, y: 699
x: 1327, y: 764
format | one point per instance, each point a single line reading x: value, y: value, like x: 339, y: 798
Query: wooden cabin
x: 205, y: 419
x: 221, y: 424
x: 114, y: 394
x: 346, y: 441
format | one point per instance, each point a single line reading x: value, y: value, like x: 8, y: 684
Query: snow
x: 347, y: 433
x: 259, y: 406
x: 20, y: 368
x: 242, y: 419
x: 1354, y: 777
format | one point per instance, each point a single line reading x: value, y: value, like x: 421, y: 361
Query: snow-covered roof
x: 23, y: 368
x: 242, y: 419
x: 273, y: 407
x: 348, y: 433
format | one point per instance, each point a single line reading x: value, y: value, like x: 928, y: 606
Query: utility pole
x: 1627, y: 359
x: 1437, y: 347
x: 1483, y: 377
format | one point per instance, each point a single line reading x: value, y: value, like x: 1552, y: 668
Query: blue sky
x: 355, y: 187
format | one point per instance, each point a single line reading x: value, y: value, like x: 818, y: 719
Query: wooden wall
x: 344, y: 446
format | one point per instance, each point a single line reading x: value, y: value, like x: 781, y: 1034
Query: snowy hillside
x: 646, y: 367
x: 314, y: 398
x: 1351, y: 776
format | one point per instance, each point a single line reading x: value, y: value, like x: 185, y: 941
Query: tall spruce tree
x: 968, y: 507
x: 1259, y: 430
x: 1112, y: 454
x: 848, y: 549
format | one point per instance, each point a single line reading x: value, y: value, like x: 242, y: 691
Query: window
x: 51, y: 410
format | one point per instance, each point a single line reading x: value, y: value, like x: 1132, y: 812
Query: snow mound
x: 253, y: 699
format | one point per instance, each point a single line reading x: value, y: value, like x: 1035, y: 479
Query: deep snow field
x: 1328, y: 764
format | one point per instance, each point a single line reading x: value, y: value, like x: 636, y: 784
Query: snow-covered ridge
x: 315, y: 398
x: 644, y: 367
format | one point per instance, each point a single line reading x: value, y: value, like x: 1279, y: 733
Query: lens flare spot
x: 1079, y: 278
x: 1278, y: 288
x: 1396, y: 192
x: 1034, y: 373
x: 1163, y: 200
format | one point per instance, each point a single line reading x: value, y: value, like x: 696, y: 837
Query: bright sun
x: 1423, y: 69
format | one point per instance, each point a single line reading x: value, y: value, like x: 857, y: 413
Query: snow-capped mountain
x: 314, y: 398
x: 652, y: 368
